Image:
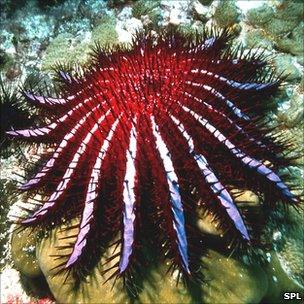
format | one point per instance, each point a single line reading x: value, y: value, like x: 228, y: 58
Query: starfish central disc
x: 148, y: 83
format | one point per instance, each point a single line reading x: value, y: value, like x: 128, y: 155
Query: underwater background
x: 36, y: 35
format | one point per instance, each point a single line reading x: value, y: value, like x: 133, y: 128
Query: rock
x: 176, y: 13
x: 226, y: 13
x: 200, y: 11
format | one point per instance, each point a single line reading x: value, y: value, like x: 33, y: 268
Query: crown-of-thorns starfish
x: 167, y: 122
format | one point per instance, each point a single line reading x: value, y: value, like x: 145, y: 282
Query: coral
x: 104, y: 33
x: 282, y: 24
x: 294, y: 42
x: 291, y: 253
x: 23, y: 253
x: 238, y: 275
x: 200, y: 12
x: 257, y: 38
x: 65, y: 49
x: 188, y: 29
x: 149, y: 8
x: 226, y: 13
x: 5, y: 187
x: 260, y: 16
x: 285, y: 65
x: 245, y: 282
x: 10, y: 277
x: 294, y: 116
x: 175, y: 13
x: 8, y: 8
x: 68, y: 49
x: 23, y: 40
x: 278, y: 280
